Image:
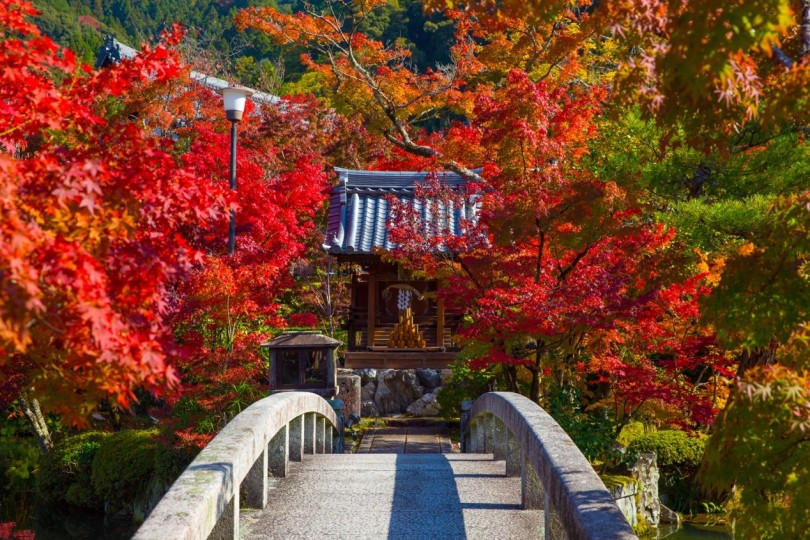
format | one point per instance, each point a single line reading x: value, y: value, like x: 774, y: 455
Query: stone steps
x: 397, y: 496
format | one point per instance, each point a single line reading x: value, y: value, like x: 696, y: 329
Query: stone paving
x: 408, y: 439
x: 394, y: 496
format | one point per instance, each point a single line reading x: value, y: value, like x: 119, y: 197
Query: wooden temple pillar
x: 372, y: 310
x: 352, y: 327
x: 439, y: 322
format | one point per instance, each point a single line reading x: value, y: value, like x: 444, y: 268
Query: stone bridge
x: 270, y: 473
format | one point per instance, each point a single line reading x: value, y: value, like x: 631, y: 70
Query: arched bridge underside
x: 520, y: 477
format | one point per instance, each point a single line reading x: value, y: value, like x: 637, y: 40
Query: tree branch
x: 34, y: 415
x: 783, y: 59
x: 539, y: 268
x: 567, y: 270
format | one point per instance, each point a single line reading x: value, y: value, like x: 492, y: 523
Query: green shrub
x: 185, y: 408
x: 170, y: 463
x: 19, y: 460
x: 65, y: 472
x: 125, y: 465
x: 132, y: 469
x: 678, y: 456
x: 465, y: 384
x: 674, y: 449
x: 593, y: 430
x: 632, y: 431
x: 109, y: 471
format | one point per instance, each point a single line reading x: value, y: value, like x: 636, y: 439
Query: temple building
x: 395, y: 321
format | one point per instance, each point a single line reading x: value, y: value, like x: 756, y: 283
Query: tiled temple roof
x: 113, y: 51
x: 359, y: 211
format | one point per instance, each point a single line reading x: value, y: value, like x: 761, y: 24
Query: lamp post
x: 234, y: 98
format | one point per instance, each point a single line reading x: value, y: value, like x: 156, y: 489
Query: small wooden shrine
x: 395, y: 320
x: 303, y: 361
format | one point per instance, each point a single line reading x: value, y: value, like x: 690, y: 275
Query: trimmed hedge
x: 675, y: 449
x: 678, y: 456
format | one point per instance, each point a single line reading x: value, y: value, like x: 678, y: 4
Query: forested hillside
x: 82, y: 24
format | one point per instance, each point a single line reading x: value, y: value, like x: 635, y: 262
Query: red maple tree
x: 94, y: 204
x: 114, y: 272
x: 230, y: 303
x: 559, y: 273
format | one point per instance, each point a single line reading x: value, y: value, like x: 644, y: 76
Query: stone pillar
x: 498, y: 435
x: 254, y: 486
x: 337, y: 432
x: 227, y: 527
x: 466, y: 427
x: 645, y: 471
x: 296, y: 435
x: 349, y: 389
x: 531, y: 488
x: 330, y: 432
x: 553, y: 525
x: 278, y: 453
x: 320, y: 435
x: 487, y: 421
x: 479, y: 435
x: 514, y: 456
x: 309, y: 433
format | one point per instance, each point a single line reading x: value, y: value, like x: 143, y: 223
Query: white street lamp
x: 234, y: 98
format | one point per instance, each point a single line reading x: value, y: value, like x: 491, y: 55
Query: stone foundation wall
x: 624, y: 490
x: 637, y: 495
x: 400, y: 391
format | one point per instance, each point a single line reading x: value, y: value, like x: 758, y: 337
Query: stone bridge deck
x: 394, y: 496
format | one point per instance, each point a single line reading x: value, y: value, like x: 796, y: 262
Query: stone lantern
x: 303, y: 361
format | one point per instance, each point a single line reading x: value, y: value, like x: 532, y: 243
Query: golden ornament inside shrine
x: 406, y: 334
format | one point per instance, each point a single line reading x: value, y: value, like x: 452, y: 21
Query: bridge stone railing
x: 555, y: 476
x: 233, y: 468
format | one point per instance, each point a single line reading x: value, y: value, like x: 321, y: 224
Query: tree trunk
x: 804, y: 50
x: 534, y: 389
x: 510, y: 376
x: 37, y: 420
x: 761, y: 356
x: 695, y: 184
x: 114, y: 413
x: 327, y: 298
